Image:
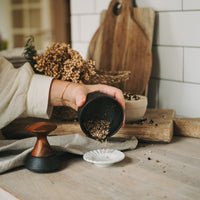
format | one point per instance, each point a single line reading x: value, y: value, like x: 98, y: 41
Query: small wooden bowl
x: 135, y: 109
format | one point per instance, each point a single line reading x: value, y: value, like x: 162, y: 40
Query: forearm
x: 57, y: 90
x: 64, y: 93
x: 22, y: 93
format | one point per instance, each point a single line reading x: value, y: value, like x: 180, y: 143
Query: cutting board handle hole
x: 117, y: 9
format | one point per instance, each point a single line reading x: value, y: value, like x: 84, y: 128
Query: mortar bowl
x: 100, y: 106
x: 135, y: 109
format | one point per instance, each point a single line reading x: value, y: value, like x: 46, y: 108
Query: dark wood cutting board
x: 123, y: 42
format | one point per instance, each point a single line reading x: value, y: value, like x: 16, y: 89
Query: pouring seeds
x: 98, y: 129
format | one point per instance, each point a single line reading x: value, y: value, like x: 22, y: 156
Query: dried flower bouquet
x: 62, y: 62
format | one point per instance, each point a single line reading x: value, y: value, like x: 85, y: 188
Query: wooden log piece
x: 157, y: 126
x: 189, y: 127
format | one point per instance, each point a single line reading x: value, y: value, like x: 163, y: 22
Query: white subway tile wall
x: 160, y: 5
x: 75, y: 28
x: 88, y: 26
x: 167, y: 67
x: 178, y: 28
x: 102, y: 5
x: 82, y: 7
x: 175, y: 79
x: 183, y: 97
x: 192, y: 65
x: 191, y: 4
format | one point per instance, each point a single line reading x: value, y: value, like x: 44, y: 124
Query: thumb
x: 81, y: 99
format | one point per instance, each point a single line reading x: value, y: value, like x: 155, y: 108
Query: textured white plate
x: 103, y: 157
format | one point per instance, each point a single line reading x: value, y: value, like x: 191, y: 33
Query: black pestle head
x: 100, y: 106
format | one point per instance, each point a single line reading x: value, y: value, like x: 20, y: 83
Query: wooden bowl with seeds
x: 135, y: 107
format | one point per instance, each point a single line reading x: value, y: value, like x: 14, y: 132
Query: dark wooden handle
x: 41, y: 127
x: 41, y: 130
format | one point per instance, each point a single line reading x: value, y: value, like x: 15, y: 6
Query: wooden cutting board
x: 157, y: 127
x: 161, y: 130
x: 164, y: 125
x: 123, y: 42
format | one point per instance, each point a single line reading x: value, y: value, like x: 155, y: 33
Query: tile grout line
x: 178, y: 46
x: 79, y: 24
x: 182, y: 4
x: 176, y: 81
x: 183, y: 65
x: 157, y: 11
x: 155, y: 45
x: 178, y: 11
x: 95, y: 6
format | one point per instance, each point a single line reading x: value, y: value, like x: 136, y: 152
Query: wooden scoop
x: 121, y: 44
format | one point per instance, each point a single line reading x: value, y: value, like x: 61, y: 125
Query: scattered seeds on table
x: 151, y: 121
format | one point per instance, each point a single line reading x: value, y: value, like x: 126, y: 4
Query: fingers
x: 75, y: 95
x: 112, y: 91
x: 78, y: 95
x: 80, y: 99
x: 120, y: 98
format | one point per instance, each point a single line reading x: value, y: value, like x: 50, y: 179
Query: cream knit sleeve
x: 22, y: 93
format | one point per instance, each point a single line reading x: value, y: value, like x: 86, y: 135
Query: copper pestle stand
x: 43, y: 158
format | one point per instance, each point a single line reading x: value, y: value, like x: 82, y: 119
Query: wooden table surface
x: 152, y: 171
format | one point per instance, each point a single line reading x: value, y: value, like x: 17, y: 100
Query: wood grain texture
x: 158, y: 127
x: 145, y: 18
x: 172, y: 173
x: 124, y: 42
x: 189, y: 127
x: 162, y: 132
x: 41, y: 130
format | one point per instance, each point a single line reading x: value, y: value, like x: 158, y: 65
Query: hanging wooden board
x: 123, y: 42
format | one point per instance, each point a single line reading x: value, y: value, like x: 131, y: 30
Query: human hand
x: 74, y: 95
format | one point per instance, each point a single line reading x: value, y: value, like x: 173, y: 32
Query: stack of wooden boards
x: 158, y: 125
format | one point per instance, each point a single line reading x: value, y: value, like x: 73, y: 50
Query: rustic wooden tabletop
x: 152, y: 171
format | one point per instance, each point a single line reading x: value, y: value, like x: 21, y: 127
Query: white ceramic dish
x: 104, y: 157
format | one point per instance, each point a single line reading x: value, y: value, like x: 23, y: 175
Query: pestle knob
x: 43, y: 158
x: 41, y: 130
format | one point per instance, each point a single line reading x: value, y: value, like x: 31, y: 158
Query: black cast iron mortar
x: 100, y: 106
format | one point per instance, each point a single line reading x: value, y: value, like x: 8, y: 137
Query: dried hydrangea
x: 61, y: 62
